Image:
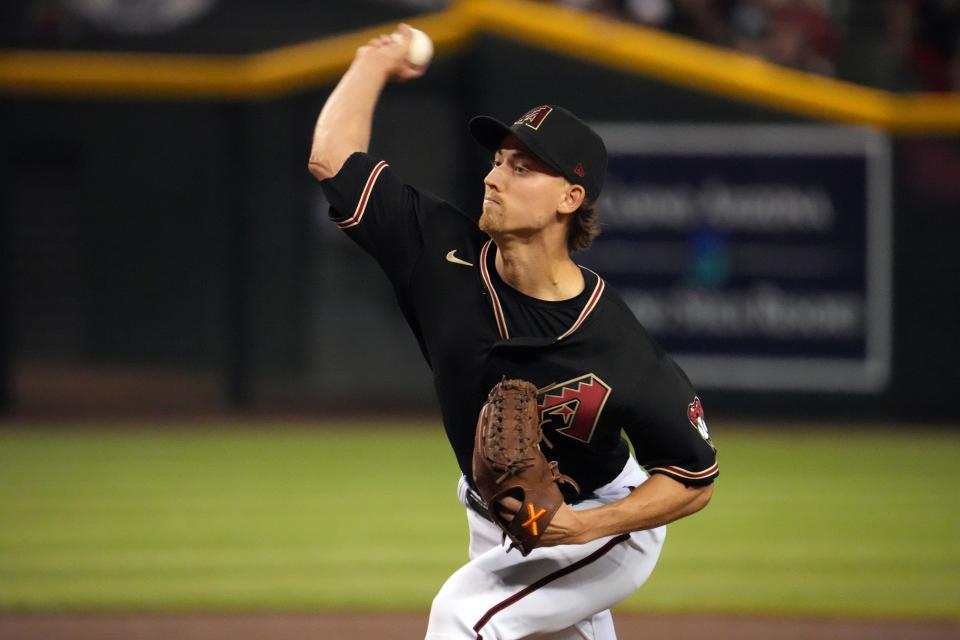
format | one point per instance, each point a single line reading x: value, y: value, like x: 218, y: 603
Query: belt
x: 475, y: 502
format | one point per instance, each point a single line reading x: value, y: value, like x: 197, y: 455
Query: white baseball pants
x: 555, y: 593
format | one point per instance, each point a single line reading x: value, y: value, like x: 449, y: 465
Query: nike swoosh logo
x: 455, y: 260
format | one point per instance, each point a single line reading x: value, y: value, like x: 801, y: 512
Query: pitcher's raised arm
x: 343, y: 126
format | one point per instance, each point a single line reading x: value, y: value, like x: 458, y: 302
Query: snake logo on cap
x: 535, y: 117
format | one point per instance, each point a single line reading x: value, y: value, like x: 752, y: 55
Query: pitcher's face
x: 522, y: 194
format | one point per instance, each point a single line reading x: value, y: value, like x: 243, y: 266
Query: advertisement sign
x: 758, y: 256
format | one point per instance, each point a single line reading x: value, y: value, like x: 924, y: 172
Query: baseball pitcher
x: 541, y: 370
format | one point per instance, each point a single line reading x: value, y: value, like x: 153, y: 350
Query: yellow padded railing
x: 270, y: 73
x: 587, y: 36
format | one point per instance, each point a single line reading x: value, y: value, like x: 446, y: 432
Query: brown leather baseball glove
x: 507, y: 462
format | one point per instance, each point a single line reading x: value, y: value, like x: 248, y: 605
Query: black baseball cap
x: 558, y: 138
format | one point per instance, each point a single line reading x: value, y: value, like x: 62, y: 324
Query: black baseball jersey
x: 597, y: 370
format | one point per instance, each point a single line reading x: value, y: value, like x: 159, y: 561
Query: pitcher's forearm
x: 344, y: 124
x: 658, y: 501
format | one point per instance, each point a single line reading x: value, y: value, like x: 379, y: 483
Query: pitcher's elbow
x: 320, y: 167
x: 703, y: 499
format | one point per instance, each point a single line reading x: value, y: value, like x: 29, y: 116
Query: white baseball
x: 420, y: 50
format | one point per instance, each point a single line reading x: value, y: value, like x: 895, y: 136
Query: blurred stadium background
x: 193, y: 361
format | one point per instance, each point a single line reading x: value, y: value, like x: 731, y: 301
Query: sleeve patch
x: 698, y: 421
x: 357, y: 216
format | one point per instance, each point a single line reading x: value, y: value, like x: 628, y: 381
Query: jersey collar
x: 501, y: 318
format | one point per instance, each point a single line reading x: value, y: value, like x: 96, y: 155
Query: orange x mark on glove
x: 531, y: 522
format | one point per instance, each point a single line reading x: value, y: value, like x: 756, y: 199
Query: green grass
x: 364, y: 517
x: 825, y: 523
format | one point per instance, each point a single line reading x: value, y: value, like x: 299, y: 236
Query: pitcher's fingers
x: 508, y: 507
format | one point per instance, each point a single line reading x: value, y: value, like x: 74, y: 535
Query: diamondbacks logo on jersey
x: 696, y: 418
x: 572, y: 408
x: 535, y: 117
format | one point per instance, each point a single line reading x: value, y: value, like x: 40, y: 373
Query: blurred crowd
x: 915, y: 41
x: 900, y: 45
x: 803, y: 34
x: 926, y: 35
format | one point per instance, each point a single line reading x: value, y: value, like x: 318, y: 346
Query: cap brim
x: 489, y: 132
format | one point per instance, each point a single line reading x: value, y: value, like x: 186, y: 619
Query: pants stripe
x: 556, y: 575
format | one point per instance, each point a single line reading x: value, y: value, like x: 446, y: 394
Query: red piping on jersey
x: 501, y: 318
x: 556, y: 575
x: 587, y: 308
x: 494, y: 299
x: 689, y: 475
x: 364, y: 198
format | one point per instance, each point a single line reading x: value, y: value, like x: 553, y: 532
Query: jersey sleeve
x: 379, y: 212
x: 670, y: 434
